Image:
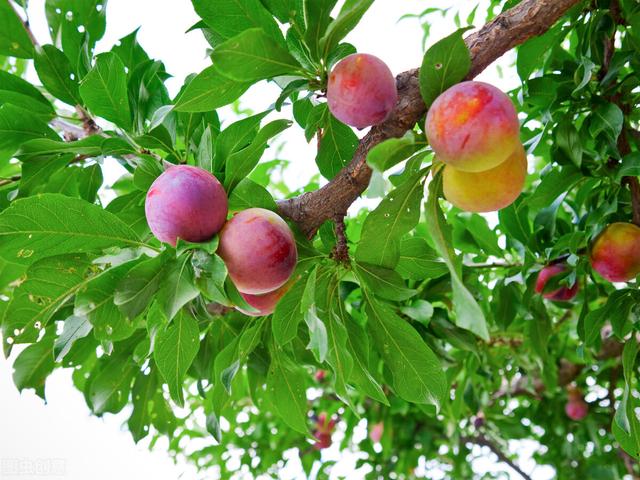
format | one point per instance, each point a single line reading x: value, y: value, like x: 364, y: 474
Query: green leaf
x: 144, y: 389
x: 420, y: 311
x: 235, y: 137
x: 288, y: 314
x: 552, y: 185
x: 397, y: 215
x: 34, y: 364
x: 57, y: 75
x: 337, y: 147
x: 104, y: 90
x: 136, y: 290
x: 418, y: 376
x: 93, y: 146
x: 446, y: 63
x: 239, y: 164
x: 630, y: 166
x: 626, y: 427
x: 209, y: 90
x: 251, y: 56
x: 48, y: 284
x: 176, y: 347
x: 419, y: 261
x: 383, y: 282
x: 350, y: 15
x: 228, y: 18
x: 317, y: 15
x: 14, y: 40
x: 147, y: 170
x: 248, y: 194
x: 469, y: 315
x: 286, y: 388
x: 74, y: 329
x: 110, y: 387
x: 96, y: 302
x: 607, y: 119
x: 52, y: 224
x: 14, y: 83
x: 177, y: 287
x: 568, y: 141
x: 391, y: 152
x: 18, y: 126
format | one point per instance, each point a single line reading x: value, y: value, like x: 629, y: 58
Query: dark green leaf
x: 337, y: 147
x: 57, y: 75
x: 14, y: 40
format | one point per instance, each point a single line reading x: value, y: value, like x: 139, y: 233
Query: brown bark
x: 507, y: 30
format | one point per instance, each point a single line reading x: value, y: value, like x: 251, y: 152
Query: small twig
x: 25, y: 24
x: 10, y: 180
x: 483, y: 441
x: 89, y: 124
x: 341, y: 250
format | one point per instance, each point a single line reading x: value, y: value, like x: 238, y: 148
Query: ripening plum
x: 259, y: 250
x: 324, y: 428
x: 562, y: 294
x: 185, y: 202
x: 361, y: 91
x: 473, y: 126
x: 489, y: 190
x: 265, y: 303
x: 375, y: 434
x: 576, y: 408
x: 615, y: 253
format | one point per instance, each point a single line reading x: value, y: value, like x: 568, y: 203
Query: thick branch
x: 509, y: 29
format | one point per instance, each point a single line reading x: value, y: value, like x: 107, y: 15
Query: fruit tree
x: 485, y: 298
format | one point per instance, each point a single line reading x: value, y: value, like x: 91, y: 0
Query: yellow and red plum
x: 562, y: 294
x: 185, y: 202
x: 473, y: 126
x: 361, y: 90
x: 489, y: 190
x: 615, y: 253
x: 266, y: 303
x: 259, y: 250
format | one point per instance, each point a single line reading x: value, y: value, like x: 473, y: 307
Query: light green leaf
x: 228, y: 18
x: 34, y: 364
x: 14, y: 40
x: 397, y: 214
x: 175, y: 349
x: 349, y: 16
x: 383, y: 282
x: 251, y: 56
x: 104, y: 90
x: 469, y: 315
x: 57, y: 75
x: 418, y: 376
x: 249, y: 194
x: 446, y: 63
x: 144, y: 389
x: 286, y: 388
x: 74, y: 329
x: 52, y: 224
x: 177, y: 286
x: 209, y: 90
x: 288, y: 314
x: 391, y: 152
x: 48, y: 284
x: 337, y: 147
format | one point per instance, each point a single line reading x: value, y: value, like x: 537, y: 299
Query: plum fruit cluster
x: 256, y: 245
x: 576, y: 408
x: 473, y: 129
x: 361, y: 90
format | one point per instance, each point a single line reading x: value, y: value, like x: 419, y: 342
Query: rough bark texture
x: 509, y: 29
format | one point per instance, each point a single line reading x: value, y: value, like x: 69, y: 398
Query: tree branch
x: 483, y: 441
x: 511, y: 28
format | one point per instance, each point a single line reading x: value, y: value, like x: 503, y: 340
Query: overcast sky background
x: 63, y: 430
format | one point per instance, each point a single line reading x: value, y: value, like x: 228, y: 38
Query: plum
x: 266, y: 303
x: 259, y: 250
x: 615, y: 253
x: 562, y: 294
x: 361, y: 90
x: 489, y: 190
x: 185, y: 202
x: 473, y: 126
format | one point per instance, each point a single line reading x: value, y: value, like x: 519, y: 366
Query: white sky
x: 63, y: 429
